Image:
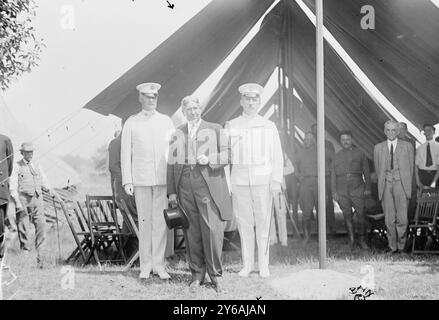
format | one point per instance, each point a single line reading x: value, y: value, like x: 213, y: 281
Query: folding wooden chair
x: 423, y: 231
x: 105, y: 228
x: 79, y: 229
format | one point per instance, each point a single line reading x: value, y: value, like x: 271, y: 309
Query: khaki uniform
x: 350, y: 178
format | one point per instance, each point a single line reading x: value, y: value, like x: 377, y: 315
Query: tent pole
x: 321, y: 134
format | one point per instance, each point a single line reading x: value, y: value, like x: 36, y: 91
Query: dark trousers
x: 330, y: 214
x: 3, y: 208
x: 130, y: 243
x: 426, y: 176
x: 33, y: 211
x: 204, y: 237
x: 351, y: 195
x: 308, y: 194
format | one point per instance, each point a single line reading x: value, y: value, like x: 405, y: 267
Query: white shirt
x: 144, y: 148
x: 193, y: 127
x: 394, y: 142
x: 257, y: 155
x: 421, y: 155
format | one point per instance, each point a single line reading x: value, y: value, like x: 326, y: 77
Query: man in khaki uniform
x: 350, y: 178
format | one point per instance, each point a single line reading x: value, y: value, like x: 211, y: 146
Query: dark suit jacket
x: 404, y: 155
x: 208, y: 135
x: 6, y: 166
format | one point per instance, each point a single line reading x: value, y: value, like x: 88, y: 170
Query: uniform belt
x: 326, y: 175
x: 348, y: 175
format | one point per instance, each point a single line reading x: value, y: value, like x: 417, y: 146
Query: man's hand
x: 172, y: 200
x: 276, y: 187
x: 129, y: 189
x: 203, y: 160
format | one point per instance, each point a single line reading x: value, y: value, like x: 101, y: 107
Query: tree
x: 100, y: 160
x: 19, y: 47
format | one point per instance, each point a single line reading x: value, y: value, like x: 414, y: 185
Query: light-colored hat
x: 149, y: 87
x: 27, y: 146
x: 251, y: 90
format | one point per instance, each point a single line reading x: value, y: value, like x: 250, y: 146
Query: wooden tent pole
x: 321, y: 134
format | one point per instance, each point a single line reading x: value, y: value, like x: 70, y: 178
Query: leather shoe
x: 144, y: 274
x: 194, y: 286
x: 162, y: 274
x: 217, y: 283
x: 245, y: 272
x: 264, y: 273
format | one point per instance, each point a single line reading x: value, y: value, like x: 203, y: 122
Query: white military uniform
x: 144, y: 151
x: 257, y: 162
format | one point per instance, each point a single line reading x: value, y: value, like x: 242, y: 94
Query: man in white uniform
x: 144, y: 149
x: 257, y: 173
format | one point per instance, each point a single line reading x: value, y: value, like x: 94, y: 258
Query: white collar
x: 394, y: 143
x: 148, y: 113
x: 194, y: 124
x: 246, y: 116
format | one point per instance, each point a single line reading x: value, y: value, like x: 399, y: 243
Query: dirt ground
x: 401, y: 277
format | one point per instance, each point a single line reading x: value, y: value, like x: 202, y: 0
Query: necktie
x: 391, y: 156
x: 429, y: 161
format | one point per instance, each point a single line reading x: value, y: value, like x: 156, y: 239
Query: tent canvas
x: 58, y: 172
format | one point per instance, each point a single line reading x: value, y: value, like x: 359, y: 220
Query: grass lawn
x: 395, y: 277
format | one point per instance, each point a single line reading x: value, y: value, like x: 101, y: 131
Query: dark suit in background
x: 114, y: 166
x: 202, y: 191
x: 6, y: 165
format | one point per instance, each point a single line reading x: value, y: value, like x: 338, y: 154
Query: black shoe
x: 217, y: 283
x: 195, y: 286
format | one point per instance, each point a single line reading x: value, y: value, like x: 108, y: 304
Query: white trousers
x: 252, y: 208
x: 150, y: 202
x: 280, y: 217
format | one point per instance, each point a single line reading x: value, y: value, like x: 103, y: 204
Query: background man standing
x: 199, y: 182
x: 329, y: 156
x: 27, y: 184
x: 144, y: 147
x: 394, y: 167
x: 257, y: 173
x: 6, y: 165
x: 306, y: 165
x: 427, y: 160
x: 350, y: 180
x: 130, y: 243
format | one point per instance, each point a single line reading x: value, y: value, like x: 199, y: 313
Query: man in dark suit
x: 131, y: 243
x: 196, y: 178
x: 6, y: 165
x: 394, y: 160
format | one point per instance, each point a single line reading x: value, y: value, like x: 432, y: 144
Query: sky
x: 89, y: 44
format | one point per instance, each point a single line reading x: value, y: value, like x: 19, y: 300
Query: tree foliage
x: 100, y: 160
x: 19, y: 46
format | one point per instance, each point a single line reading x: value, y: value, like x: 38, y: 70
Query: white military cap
x: 149, y: 87
x: 251, y: 89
